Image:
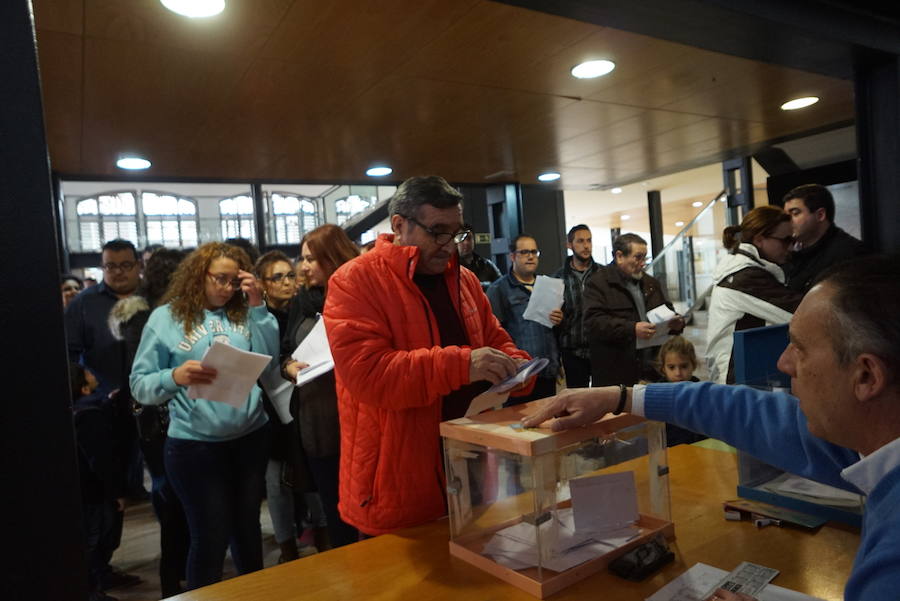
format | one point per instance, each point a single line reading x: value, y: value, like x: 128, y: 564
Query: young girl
x: 677, y: 362
x: 215, y: 454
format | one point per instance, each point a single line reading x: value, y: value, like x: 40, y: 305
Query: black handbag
x: 152, y: 422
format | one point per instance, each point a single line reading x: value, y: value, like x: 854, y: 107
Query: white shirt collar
x: 866, y: 473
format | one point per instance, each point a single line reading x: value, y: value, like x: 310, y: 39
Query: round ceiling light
x: 132, y: 163
x: 592, y: 69
x: 696, y: 203
x: 195, y: 9
x: 799, y: 103
x: 625, y: 217
x: 616, y: 191
x: 679, y: 223
x: 379, y: 171
x: 550, y: 176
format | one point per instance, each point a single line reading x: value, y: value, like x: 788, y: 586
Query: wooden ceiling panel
x: 147, y: 98
x: 60, y: 65
x: 241, y: 30
x: 65, y: 16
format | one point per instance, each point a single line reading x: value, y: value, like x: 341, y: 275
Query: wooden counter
x: 415, y: 563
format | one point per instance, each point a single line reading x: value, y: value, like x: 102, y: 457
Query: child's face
x: 90, y: 383
x: 677, y: 367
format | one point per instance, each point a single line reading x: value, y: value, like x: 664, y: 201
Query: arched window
x: 346, y: 208
x: 236, y: 217
x: 292, y: 217
x: 170, y: 220
x: 105, y: 217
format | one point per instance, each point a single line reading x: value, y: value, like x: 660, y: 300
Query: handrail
x: 687, y: 227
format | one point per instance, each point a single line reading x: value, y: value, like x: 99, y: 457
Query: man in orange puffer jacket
x: 414, y: 340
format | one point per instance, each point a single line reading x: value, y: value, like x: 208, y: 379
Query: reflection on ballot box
x: 542, y: 510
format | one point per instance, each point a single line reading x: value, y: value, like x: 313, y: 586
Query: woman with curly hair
x: 215, y: 454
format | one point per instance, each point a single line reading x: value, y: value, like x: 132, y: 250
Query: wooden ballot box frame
x: 545, y: 461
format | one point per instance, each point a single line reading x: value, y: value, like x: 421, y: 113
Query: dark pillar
x: 544, y: 217
x: 259, y: 216
x: 504, y: 220
x: 878, y: 141
x: 738, y: 179
x: 476, y: 213
x: 41, y: 507
x: 654, y: 207
x: 614, y: 232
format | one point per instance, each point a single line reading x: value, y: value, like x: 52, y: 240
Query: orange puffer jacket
x: 391, y: 373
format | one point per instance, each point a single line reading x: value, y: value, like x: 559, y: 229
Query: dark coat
x: 609, y: 317
x: 806, y: 265
x: 314, y: 403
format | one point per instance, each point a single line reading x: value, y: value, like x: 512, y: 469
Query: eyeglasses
x: 786, y: 240
x: 441, y: 238
x: 528, y: 251
x: 224, y: 281
x: 123, y: 266
x: 278, y: 277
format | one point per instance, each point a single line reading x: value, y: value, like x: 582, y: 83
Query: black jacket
x: 807, y: 264
x: 314, y: 403
x: 609, y: 317
x: 571, y: 333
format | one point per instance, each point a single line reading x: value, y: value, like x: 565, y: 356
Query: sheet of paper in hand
x: 524, y: 371
x: 314, y: 350
x: 546, y: 296
x: 237, y: 373
x: 659, y: 316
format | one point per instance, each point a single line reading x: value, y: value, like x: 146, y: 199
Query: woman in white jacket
x: 750, y: 290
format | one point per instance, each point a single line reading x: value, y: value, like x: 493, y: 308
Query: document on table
x: 604, y: 502
x: 659, y: 316
x: 237, y: 373
x: 315, y: 351
x: 546, y: 296
x: 700, y: 578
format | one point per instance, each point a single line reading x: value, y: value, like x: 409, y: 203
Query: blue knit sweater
x: 771, y: 427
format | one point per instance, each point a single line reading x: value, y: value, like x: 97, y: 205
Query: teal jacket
x: 164, y: 346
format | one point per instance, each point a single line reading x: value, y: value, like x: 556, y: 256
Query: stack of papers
x: 316, y: 352
x: 237, y: 372
x: 697, y: 581
x: 516, y: 546
x: 546, y: 296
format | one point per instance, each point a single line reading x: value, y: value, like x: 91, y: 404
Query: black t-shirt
x: 452, y: 333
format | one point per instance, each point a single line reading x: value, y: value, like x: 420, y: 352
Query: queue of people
x: 361, y: 455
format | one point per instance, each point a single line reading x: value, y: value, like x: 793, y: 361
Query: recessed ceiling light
x: 592, y: 69
x: 625, y: 217
x: 616, y: 191
x: 132, y: 162
x: 799, y: 103
x: 379, y: 171
x: 550, y: 176
x: 679, y: 223
x: 195, y: 8
x: 696, y: 203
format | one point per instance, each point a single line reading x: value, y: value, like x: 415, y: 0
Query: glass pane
x: 285, y: 205
x: 128, y: 230
x: 292, y: 224
x: 244, y: 205
x: 118, y: 204
x: 310, y: 222
x: 188, y: 233
x: 90, y: 235
x: 186, y: 207
x: 88, y: 206
x: 238, y: 205
x: 170, y: 233
x: 154, y: 232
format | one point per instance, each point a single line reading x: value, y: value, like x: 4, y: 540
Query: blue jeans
x: 220, y: 485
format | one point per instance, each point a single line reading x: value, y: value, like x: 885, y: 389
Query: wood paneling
x: 468, y: 89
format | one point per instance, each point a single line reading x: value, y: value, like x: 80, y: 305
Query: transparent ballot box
x: 543, y: 510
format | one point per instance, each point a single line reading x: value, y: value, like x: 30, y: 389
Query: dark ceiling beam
x: 810, y: 35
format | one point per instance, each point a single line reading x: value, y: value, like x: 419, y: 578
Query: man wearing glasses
x: 92, y: 344
x: 509, y: 296
x: 616, y: 301
x: 414, y: 341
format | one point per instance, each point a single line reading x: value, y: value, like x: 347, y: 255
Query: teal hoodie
x: 164, y: 346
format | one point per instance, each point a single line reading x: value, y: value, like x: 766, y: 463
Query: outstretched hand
x: 574, y: 407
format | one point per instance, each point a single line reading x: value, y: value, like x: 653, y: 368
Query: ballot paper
x: 546, y: 296
x: 279, y: 392
x: 486, y: 400
x: 700, y: 578
x: 237, y: 372
x: 315, y: 351
x: 516, y: 546
x: 659, y: 316
x: 803, y: 488
x: 604, y: 502
x: 523, y: 372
